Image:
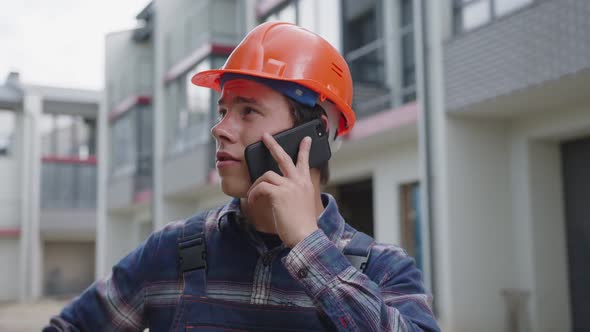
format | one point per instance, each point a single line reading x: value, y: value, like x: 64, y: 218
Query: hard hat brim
x: 212, y: 79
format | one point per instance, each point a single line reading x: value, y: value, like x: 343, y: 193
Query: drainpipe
x: 425, y: 144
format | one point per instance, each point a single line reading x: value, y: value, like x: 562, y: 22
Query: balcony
x: 199, y: 24
x: 367, y: 65
x: 128, y: 190
x: 130, y: 178
x: 68, y: 183
x: 535, y: 58
x: 186, y: 172
x: 68, y: 195
x: 131, y: 186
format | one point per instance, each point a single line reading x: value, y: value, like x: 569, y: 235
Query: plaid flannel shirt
x: 143, y: 289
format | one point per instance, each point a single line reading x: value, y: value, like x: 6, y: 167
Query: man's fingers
x: 270, y: 177
x: 303, y: 157
x: 262, y: 189
x: 280, y: 156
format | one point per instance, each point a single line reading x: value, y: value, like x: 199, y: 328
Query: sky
x: 61, y: 42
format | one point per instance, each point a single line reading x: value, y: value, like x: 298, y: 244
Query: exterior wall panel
x: 540, y: 43
x: 9, y: 278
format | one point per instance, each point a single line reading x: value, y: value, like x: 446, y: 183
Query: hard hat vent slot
x: 336, y: 69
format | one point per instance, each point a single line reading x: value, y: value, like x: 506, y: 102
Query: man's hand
x: 291, y: 196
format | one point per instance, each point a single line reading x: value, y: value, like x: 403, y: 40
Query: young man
x: 279, y: 256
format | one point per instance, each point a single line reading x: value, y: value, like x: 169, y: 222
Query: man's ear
x: 325, y: 122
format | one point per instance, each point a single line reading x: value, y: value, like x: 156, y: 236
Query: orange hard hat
x: 286, y: 52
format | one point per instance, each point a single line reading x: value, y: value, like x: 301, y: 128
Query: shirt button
x: 302, y: 273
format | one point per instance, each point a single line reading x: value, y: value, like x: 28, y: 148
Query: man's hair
x: 302, y: 114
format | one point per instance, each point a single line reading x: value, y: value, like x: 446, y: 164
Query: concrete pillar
x: 31, y: 249
x: 101, y: 267
x: 25, y: 240
x: 159, y: 122
x: 119, y: 231
x: 437, y: 27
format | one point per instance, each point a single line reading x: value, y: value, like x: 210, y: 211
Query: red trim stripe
x: 127, y: 104
x: 142, y: 196
x: 91, y: 160
x: 10, y: 232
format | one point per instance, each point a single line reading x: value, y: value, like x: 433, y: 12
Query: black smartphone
x: 259, y: 159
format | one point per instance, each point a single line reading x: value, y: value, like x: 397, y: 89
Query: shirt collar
x: 330, y: 220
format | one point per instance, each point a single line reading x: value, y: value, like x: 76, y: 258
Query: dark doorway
x: 355, y: 200
x: 576, y: 180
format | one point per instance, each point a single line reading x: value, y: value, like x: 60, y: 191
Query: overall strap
x: 358, y: 250
x: 192, y: 256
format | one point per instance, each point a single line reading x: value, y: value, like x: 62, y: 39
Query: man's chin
x: 234, y: 188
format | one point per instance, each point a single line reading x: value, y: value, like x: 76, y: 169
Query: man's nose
x: 225, y: 130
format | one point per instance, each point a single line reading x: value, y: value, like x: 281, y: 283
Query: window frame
x: 9, y: 135
x: 279, y: 8
x: 492, y: 13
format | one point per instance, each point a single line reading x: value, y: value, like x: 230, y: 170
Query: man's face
x: 246, y: 110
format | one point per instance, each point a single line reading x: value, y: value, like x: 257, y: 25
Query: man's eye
x: 248, y: 111
x: 221, y: 113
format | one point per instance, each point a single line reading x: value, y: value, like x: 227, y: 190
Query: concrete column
x: 159, y: 122
x: 119, y: 231
x: 386, y: 205
x: 249, y: 10
x: 31, y: 249
x: 25, y: 240
x: 101, y: 267
x: 551, y: 293
x: 437, y: 26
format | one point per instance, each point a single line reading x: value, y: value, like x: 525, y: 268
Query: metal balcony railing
x: 368, y: 68
x: 68, y: 183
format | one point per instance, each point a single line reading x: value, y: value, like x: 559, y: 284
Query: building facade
x: 471, y: 147
x: 48, y: 196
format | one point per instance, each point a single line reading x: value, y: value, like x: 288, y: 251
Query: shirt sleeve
x: 114, y: 303
x: 393, y: 299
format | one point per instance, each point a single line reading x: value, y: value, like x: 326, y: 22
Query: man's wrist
x: 300, y: 236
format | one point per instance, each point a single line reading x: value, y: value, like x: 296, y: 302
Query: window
x: 411, y: 226
x: 470, y: 14
x: 7, y: 129
x: 123, y: 144
x: 188, y: 111
x: 67, y: 136
x: 285, y: 13
x: 362, y: 46
x: 364, y: 51
x: 407, y: 47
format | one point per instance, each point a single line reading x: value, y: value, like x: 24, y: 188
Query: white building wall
x: 498, y: 207
x: 10, y: 178
x: 539, y: 214
x: 480, y: 226
x: 10, y: 276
